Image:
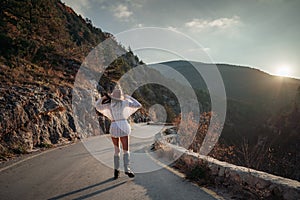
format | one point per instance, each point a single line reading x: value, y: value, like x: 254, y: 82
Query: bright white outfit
x: 118, y: 111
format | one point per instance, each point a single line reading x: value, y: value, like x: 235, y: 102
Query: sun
x: 283, y: 71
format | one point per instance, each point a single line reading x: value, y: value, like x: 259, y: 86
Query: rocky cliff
x: 42, y: 45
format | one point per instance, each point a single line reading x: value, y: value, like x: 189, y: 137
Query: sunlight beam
x: 283, y: 71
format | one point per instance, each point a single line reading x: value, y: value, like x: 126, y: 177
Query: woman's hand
x: 105, y: 99
x: 133, y: 102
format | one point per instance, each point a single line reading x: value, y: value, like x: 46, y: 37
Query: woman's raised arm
x: 100, y: 106
x: 132, y: 102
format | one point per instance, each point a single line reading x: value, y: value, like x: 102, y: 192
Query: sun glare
x: 283, y: 71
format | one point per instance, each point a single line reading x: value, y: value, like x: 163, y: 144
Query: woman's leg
x: 125, y: 145
x: 126, y: 159
x: 116, y: 157
x: 116, y: 145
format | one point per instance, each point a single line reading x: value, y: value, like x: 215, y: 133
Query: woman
x: 118, y: 108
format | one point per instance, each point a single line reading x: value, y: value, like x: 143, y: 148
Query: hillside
x: 241, y: 83
x: 42, y: 45
x: 262, y: 124
x: 252, y: 95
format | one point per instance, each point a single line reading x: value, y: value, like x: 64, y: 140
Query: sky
x: 263, y: 34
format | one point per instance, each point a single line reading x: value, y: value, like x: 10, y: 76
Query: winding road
x: 82, y: 171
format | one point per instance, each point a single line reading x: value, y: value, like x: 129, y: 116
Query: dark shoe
x: 116, y: 174
x: 130, y: 174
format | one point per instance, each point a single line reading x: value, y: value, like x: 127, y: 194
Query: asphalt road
x: 82, y: 171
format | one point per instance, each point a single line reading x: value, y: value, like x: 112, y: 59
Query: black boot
x: 130, y: 174
x: 116, y: 174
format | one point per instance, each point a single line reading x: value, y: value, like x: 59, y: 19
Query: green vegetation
x: 46, y: 145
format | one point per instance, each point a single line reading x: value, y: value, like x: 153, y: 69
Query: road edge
x: 182, y: 175
x: 29, y: 157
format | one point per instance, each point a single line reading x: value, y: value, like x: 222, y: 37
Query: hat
x: 117, y: 94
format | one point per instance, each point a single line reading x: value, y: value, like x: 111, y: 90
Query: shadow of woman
x: 85, y: 196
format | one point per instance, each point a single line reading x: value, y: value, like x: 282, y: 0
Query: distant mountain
x: 263, y: 113
x: 243, y: 84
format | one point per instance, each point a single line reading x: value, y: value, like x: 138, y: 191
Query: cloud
x: 172, y: 28
x: 221, y: 23
x: 136, y: 3
x: 121, y: 12
x: 139, y: 25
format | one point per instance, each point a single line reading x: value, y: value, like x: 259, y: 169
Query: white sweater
x: 119, y: 111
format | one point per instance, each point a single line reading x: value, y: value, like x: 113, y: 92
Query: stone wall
x: 251, y: 183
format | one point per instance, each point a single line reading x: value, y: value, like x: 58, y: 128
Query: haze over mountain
x: 243, y: 84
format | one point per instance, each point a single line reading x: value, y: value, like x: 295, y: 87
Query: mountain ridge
x: 229, y: 73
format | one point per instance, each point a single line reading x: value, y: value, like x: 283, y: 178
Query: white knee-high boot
x: 116, y: 166
x: 126, y: 160
x: 117, y: 161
